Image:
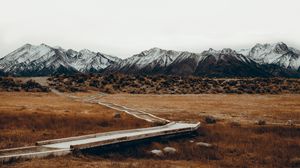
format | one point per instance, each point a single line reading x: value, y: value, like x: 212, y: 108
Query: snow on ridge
x: 43, y: 55
x: 156, y: 57
x: 153, y: 56
x: 28, y: 53
x: 219, y: 54
x: 276, y: 53
x: 85, y: 60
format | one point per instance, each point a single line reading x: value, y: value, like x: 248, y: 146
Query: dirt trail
x: 96, y: 99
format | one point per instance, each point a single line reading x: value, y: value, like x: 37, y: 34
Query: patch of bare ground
x: 29, y: 117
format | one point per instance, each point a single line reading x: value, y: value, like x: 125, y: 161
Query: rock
x: 117, y: 115
x: 295, y: 162
x: 260, y: 122
x: 290, y: 123
x: 157, y: 152
x: 203, y: 144
x: 210, y: 120
x: 169, y: 150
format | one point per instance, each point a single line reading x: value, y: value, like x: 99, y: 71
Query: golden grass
x: 248, y: 108
x: 88, y: 162
x: 28, y: 117
x: 245, y: 145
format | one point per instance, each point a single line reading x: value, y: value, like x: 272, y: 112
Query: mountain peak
x: 210, y: 51
x: 27, y: 45
x: 151, y: 51
x: 45, y: 45
x: 276, y: 53
x: 87, y: 51
x: 155, y: 48
x: 43, y: 59
x: 281, y: 47
x: 228, y: 51
x: 58, y: 47
x: 280, y: 43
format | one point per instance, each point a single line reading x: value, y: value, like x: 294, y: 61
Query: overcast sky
x: 126, y: 27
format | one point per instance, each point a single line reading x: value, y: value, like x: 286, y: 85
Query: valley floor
x: 236, y: 140
x: 246, y: 108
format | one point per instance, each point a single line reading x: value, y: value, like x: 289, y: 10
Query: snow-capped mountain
x: 262, y: 60
x: 278, y: 54
x: 88, y: 61
x: 148, y: 61
x: 31, y: 60
x: 225, y: 62
x: 213, y: 63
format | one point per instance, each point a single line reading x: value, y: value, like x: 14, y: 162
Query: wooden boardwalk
x: 64, y: 146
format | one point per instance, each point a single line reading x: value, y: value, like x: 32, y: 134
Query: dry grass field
x: 230, y: 107
x: 236, y: 140
x: 28, y: 117
x: 98, y: 162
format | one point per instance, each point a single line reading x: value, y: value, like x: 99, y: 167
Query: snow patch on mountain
x: 160, y: 61
x: 46, y: 58
x: 152, y: 57
x: 278, y: 53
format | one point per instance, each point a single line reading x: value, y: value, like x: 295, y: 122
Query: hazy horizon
x: 124, y: 28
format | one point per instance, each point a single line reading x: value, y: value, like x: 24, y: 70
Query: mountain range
x: 262, y: 60
x: 42, y: 60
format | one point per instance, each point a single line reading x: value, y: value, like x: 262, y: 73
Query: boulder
x: 203, y: 144
x: 157, y: 152
x: 169, y: 150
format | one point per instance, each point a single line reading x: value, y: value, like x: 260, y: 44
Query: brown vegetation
x: 88, y: 162
x: 233, y: 146
x: 11, y: 84
x: 235, y: 143
x: 119, y: 83
x: 28, y: 117
x: 244, y: 146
